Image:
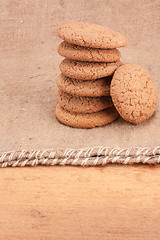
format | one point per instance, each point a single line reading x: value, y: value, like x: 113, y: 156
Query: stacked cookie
x: 91, y: 58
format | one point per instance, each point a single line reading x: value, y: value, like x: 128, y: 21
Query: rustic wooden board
x: 113, y: 202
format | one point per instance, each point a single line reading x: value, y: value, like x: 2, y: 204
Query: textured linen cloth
x: 29, y: 67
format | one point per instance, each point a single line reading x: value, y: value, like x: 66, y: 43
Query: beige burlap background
x: 29, y: 68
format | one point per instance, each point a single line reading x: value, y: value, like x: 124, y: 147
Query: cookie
x: 83, y: 104
x: 87, y: 70
x: 90, y: 35
x: 95, y: 88
x: 80, y: 53
x: 133, y: 93
x: 86, y: 120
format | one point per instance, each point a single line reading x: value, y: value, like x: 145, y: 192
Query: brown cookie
x: 90, y: 35
x: 133, y: 93
x: 95, y: 88
x: 87, y: 70
x: 86, y: 120
x: 83, y: 104
x: 80, y: 53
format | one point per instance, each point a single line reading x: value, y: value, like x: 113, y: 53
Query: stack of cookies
x: 91, y: 58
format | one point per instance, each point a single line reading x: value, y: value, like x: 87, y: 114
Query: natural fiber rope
x: 92, y: 156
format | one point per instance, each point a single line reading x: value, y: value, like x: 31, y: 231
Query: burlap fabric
x: 30, y: 133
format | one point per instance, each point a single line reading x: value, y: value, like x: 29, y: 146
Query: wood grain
x: 113, y: 202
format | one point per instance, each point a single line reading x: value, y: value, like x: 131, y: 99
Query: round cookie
x: 95, y: 88
x: 90, y: 35
x: 86, y: 120
x: 80, y: 53
x: 133, y: 93
x: 87, y: 70
x: 83, y: 104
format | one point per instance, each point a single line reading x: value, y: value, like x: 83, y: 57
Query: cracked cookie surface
x: 90, y: 35
x: 87, y: 70
x: 80, y: 53
x: 95, y: 88
x: 133, y: 93
x: 83, y: 104
x: 86, y: 120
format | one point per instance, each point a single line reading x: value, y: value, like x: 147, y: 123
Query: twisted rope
x: 92, y: 156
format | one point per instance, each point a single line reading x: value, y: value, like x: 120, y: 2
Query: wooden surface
x: 113, y: 202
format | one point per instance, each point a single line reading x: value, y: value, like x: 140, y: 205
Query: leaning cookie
x: 95, y: 88
x: 133, y: 93
x: 86, y: 120
x: 80, y: 53
x: 90, y: 35
x: 83, y: 104
x: 87, y: 70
